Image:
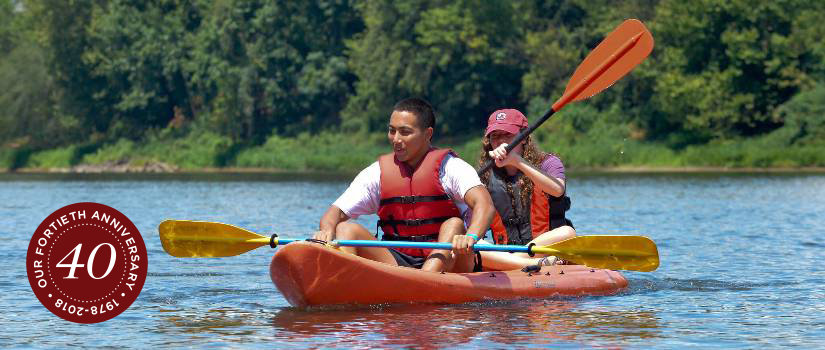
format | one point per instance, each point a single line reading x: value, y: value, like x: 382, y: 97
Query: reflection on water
x: 179, y: 327
x: 422, y: 326
x: 519, y: 322
x: 652, y: 284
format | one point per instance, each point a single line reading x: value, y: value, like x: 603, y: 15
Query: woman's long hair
x: 531, y: 154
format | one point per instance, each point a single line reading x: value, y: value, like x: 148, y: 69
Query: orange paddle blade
x: 622, y: 50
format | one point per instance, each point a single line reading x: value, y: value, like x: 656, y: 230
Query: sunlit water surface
x: 741, y: 266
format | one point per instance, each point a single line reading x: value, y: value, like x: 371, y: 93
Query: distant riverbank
x: 168, y: 169
x: 336, y: 153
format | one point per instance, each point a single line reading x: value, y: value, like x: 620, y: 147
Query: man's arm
x: 478, y: 199
x: 329, y: 222
x: 360, y: 198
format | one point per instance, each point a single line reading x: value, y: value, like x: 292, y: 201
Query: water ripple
x: 741, y: 267
x: 649, y: 285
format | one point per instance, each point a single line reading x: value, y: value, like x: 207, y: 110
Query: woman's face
x: 500, y: 136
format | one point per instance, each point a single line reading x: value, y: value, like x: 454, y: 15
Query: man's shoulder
x: 453, y: 161
x: 459, y: 170
x: 371, y: 172
x: 371, y: 166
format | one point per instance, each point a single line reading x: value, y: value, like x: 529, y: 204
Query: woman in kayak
x: 528, y: 190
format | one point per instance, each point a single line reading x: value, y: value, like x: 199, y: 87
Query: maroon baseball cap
x: 509, y: 120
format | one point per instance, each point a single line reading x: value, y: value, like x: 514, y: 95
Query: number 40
x: 74, y: 265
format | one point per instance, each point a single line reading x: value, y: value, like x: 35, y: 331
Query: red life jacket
x: 413, y: 202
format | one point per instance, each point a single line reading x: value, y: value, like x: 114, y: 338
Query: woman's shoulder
x: 552, y: 165
x: 551, y: 158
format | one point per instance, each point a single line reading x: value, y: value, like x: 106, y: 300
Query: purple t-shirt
x: 552, y: 166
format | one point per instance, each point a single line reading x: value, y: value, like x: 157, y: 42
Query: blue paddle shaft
x: 287, y: 240
x: 419, y: 245
x: 428, y: 245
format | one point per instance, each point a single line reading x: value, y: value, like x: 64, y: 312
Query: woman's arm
x: 547, y: 183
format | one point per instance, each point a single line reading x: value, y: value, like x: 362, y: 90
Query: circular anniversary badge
x: 86, y: 262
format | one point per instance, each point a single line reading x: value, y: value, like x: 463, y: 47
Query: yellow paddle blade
x: 636, y: 253
x: 202, y: 239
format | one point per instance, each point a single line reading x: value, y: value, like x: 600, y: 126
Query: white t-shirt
x: 363, y: 196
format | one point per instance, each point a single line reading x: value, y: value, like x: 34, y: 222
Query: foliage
x: 53, y: 158
x: 804, y: 117
x: 229, y: 82
x: 324, y: 151
x: 457, y: 54
x: 724, y: 67
x: 260, y: 65
x: 30, y: 114
x: 193, y: 150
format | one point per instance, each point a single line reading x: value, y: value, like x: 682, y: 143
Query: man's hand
x: 330, y: 220
x: 463, y: 245
x: 326, y: 236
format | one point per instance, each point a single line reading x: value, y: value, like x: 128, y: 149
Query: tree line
x: 97, y: 71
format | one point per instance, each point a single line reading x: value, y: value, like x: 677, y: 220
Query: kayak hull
x: 311, y: 274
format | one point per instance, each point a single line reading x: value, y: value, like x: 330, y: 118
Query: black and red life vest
x: 413, y: 203
x: 518, y: 225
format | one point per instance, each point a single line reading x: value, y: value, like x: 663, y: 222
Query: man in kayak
x: 420, y: 193
x: 528, y: 190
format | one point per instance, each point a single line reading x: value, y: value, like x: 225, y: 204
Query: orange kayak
x: 310, y: 274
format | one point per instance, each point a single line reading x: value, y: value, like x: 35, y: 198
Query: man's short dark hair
x: 420, y: 108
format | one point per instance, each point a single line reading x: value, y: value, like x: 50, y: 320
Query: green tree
x: 30, y: 114
x: 139, y: 50
x: 462, y: 56
x: 723, y: 67
x: 7, y: 30
x: 803, y: 117
x: 280, y: 66
x: 60, y: 29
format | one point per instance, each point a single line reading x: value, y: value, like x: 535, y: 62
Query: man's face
x: 408, y: 140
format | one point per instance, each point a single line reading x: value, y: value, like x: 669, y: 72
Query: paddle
x: 196, y: 239
x: 620, y: 52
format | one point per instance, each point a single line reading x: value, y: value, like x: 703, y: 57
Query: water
x: 741, y: 266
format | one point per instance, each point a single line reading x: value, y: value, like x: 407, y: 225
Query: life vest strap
x: 414, y: 199
x: 516, y: 220
x: 558, y: 205
x: 425, y: 238
x: 414, y: 222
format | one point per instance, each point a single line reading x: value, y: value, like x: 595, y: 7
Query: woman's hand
x: 502, y: 158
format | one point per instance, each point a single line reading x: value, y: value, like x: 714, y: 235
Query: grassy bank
x: 337, y: 152
x: 582, y: 137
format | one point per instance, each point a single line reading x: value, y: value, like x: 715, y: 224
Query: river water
x: 741, y: 266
